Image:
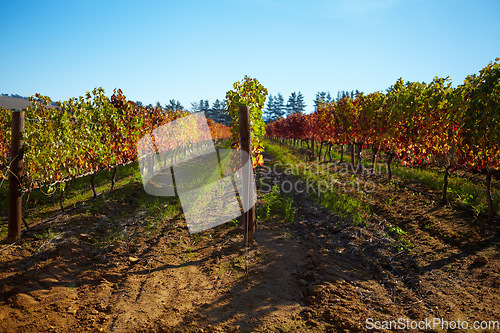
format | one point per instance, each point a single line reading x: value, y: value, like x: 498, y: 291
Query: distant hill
x: 15, y: 103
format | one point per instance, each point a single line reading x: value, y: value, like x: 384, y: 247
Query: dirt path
x: 171, y: 281
x: 318, y: 273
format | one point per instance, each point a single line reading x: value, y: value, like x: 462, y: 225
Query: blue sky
x: 192, y: 50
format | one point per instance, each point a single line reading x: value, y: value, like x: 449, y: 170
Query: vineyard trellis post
x: 15, y: 175
x: 246, y: 145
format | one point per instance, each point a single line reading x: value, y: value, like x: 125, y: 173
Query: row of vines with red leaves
x: 415, y: 122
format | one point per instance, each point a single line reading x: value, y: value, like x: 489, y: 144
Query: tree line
x: 275, y: 107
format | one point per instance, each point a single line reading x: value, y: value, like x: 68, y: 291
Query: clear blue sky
x: 192, y: 50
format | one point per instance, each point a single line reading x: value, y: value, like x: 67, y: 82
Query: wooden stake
x: 15, y: 176
x: 246, y: 145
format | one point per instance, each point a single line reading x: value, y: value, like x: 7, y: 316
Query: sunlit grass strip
x: 46, y: 203
x: 468, y: 192
x: 345, y: 205
x: 464, y: 190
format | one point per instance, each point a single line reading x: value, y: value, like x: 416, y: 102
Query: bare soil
x: 319, y: 273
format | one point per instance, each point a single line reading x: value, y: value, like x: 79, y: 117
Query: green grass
x: 126, y: 198
x: 335, y: 154
x: 345, y: 205
x: 469, y: 192
x: 159, y: 210
x: 395, y: 230
x: 223, y: 144
x: 282, y: 154
x: 45, y: 201
x: 47, y: 234
x: 277, y: 204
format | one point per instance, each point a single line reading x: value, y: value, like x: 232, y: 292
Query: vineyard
x: 84, y: 135
x: 416, y: 123
x: 81, y: 137
x: 409, y: 231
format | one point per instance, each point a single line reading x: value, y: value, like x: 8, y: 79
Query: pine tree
x: 279, y: 107
x: 173, y: 105
x: 291, y: 105
x: 218, y: 111
x: 299, y: 104
x: 269, y: 111
x: 205, y: 107
x: 195, y: 106
x: 328, y: 98
x: 320, y: 98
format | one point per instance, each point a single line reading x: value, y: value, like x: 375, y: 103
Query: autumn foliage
x: 84, y: 135
x: 418, y: 123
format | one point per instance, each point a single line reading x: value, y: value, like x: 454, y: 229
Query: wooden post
x: 246, y: 145
x: 491, y: 208
x: 92, y: 184
x: 15, y: 175
x: 113, y: 177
